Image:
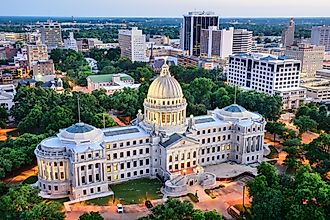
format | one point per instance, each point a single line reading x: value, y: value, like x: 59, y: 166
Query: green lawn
x: 103, y: 201
x: 31, y: 180
x: 136, y: 191
x: 273, y: 153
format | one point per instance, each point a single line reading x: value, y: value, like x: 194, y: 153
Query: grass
x: 103, y: 201
x: 31, y: 180
x: 273, y: 153
x: 193, y: 197
x: 246, y: 212
x: 137, y: 191
x: 210, y: 193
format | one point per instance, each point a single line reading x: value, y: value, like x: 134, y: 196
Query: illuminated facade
x: 82, y: 160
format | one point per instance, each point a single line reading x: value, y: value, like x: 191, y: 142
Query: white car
x: 120, y: 208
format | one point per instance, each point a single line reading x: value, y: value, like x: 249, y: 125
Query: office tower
x: 242, y: 41
x: 288, y: 34
x: 311, y: 57
x: 36, y: 52
x: 70, y: 43
x: 51, y: 35
x: 133, y: 44
x: 216, y: 43
x: 193, y: 24
x: 268, y: 74
x: 321, y: 36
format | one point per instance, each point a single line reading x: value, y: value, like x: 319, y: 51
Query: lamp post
x: 244, y: 196
x: 196, y: 193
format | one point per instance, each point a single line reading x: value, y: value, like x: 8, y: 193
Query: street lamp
x: 196, y: 193
x: 244, y: 196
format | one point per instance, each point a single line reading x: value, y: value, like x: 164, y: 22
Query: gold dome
x: 165, y: 86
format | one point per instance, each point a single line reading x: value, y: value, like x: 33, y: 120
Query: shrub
x: 193, y: 197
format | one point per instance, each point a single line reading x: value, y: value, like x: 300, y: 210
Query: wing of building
x: 82, y: 161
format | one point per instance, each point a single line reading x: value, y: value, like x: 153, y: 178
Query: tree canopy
x: 24, y: 203
x: 91, y: 216
x: 174, y: 209
x: 302, y: 196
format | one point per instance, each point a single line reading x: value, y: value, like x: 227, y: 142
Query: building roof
x: 108, y: 77
x: 79, y: 128
x: 175, y: 138
x: 235, y: 108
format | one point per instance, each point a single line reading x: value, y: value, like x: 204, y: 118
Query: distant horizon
x: 59, y: 16
x: 168, y: 8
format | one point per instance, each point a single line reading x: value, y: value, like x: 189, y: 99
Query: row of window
x: 127, y: 144
x: 122, y: 166
x: 89, y: 156
x: 182, y: 165
x: 208, y: 140
x: 128, y: 175
x: 90, y: 178
x: 214, y: 130
x: 90, y: 166
x: 91, y: 190
x: 129, y: 153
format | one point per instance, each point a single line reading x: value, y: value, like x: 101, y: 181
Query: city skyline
x: 147, y: 8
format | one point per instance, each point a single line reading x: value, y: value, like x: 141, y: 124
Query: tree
x: 305, y: 123
x: 318, y: 154
x: 91, y: 216
x: 302, y: 196
x: 108, y: 70
x: 24, y: 203
x: 275, y: 128
x: 126, y: 102
x: 3, y: 117
x: 174, y: 209
x: 102, y: 120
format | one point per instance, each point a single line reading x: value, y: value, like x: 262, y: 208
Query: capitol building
x: 83, y: 161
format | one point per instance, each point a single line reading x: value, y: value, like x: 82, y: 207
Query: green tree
x: 102, y: 119
x: 126, y: 102
x: 275, y: 128
x: 108, y: 70
x: 318, y: 154
x: 305, y: 123
x: 3, y: 117
x: 24, y: 203
x: 91, y: 216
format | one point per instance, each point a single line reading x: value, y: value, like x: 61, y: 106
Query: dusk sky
x: 165, y: 8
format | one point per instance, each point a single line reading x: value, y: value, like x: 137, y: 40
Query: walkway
x: 117, y: 120
x: 33, y: 171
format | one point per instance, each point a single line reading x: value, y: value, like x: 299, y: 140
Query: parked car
x: 120, y: 208
x: 148, y: 204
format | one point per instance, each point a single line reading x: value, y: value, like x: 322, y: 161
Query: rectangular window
x: 141, y: 162
x: 121, y: 154
x: 115, y: 156
x: 128, y: 165
x: 99, y: 189
x: 134, y: 163
x: 147, y: 161
x: 141, y: 151
x: 122, y: 166
x: 134, y: 152
x: 97, y: 177
x: 129, y: 174
x: 147, y: 150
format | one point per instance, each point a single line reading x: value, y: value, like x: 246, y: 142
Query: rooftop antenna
x: 235, y: 94
x: 79, y: 109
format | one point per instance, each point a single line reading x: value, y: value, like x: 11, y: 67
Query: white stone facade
x: 268, y: 74
x: 82, y: 160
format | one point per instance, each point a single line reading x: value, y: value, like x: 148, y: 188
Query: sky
x: 165, y: 8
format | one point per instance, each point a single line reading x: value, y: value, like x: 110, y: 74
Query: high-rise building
x: 133, y: 44
x: 288, y: 34
x: 193, y: 24
x: 36, y: 52
x: 216, y: 43
x: 268, y: 74
x: 242, y: 41
x: 321, y: 36
x: 311, y: 57
x: 51, y: 35
x: 70, y: 43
